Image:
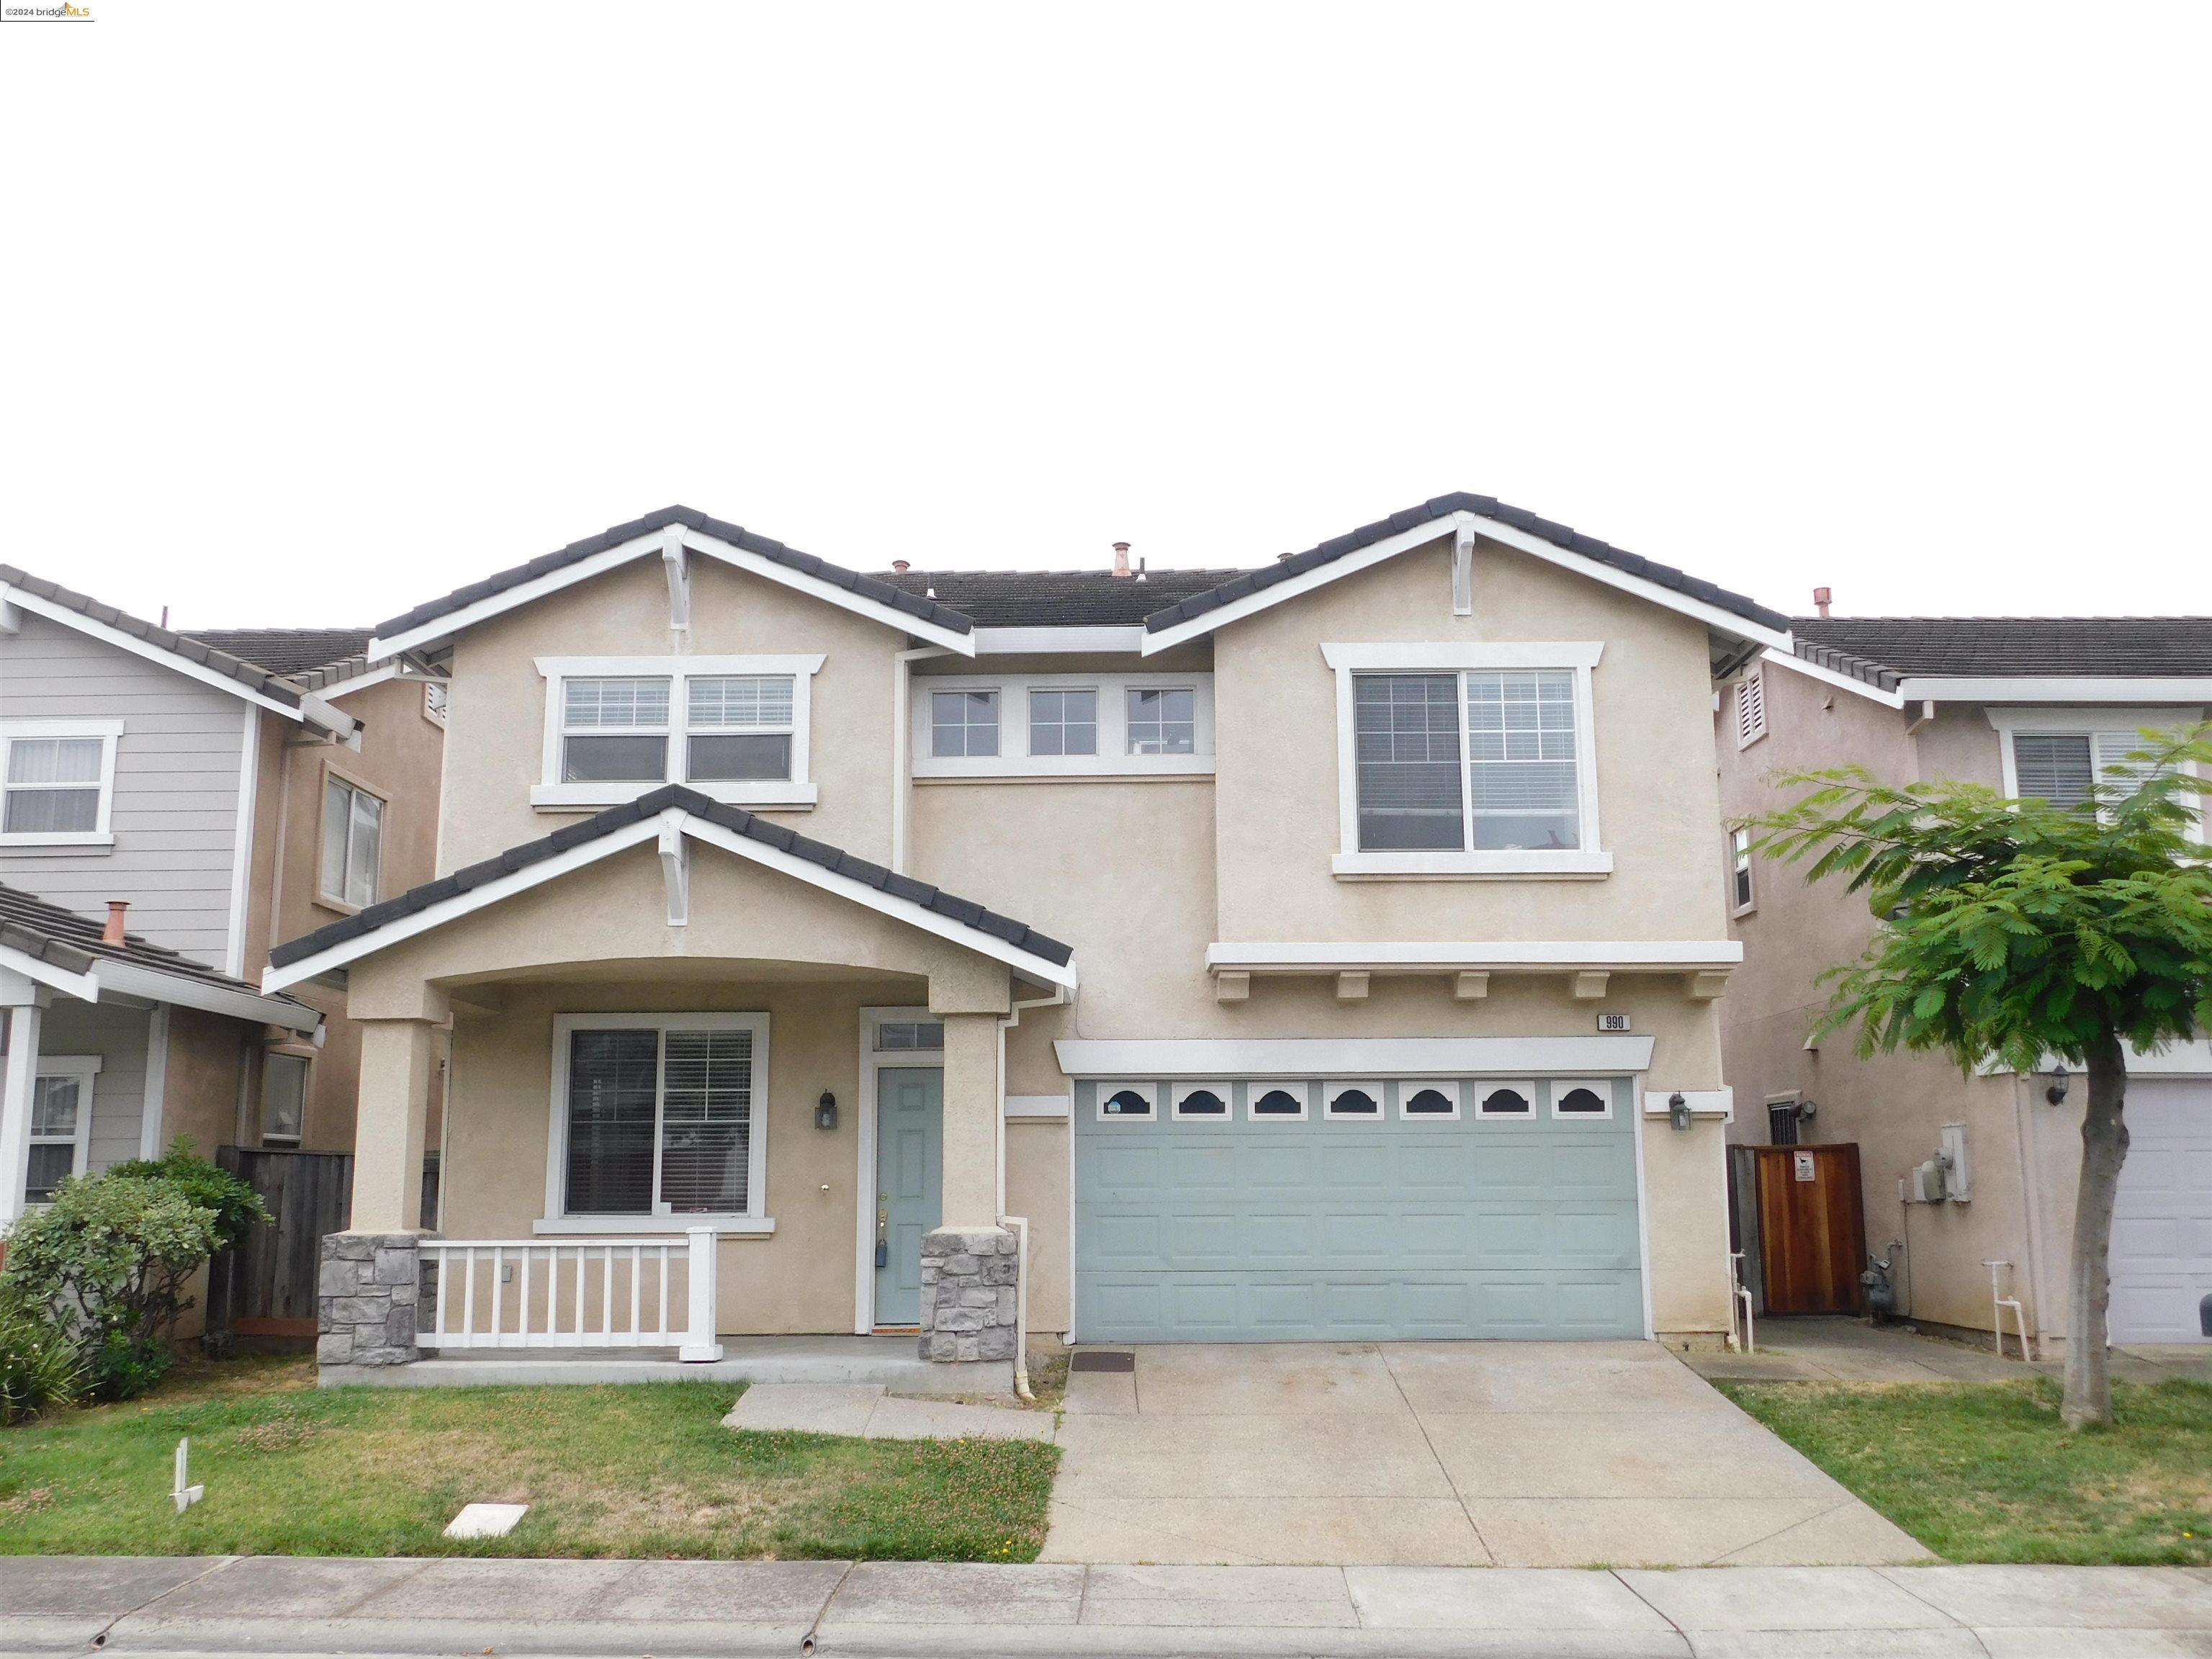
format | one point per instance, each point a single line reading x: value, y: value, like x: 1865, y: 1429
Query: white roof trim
x: 1195, y: 1057
x: 648, y: 829
x: 1629, y: 956
x: 1791, y: 659
x: 1109, y: 642
x: 1389, y: 547
x: 655, y: 543
x: 311, y: 710
x: 83, y: 986
x: 109, y: 976
x: 2053, y: 687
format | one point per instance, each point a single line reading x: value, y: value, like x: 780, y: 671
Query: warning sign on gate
x: 1802, y: 1164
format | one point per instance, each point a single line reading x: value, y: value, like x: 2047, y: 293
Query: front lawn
x: 646, y: 1470
x: 1985, y: 1471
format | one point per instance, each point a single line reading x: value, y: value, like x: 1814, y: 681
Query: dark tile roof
x: 254, y: 675
x: 1488, y: 507
x: 286, y: 650
x: 417, y: 899
x: 1884, y: 650
x: 73, y: 942
x: 869, y: 588
x: 1057, y: 598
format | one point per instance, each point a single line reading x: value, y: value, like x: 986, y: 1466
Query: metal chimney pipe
x: 901, y: 566
x: 1822, y: 598
x: 112, y: 932
x: 1122, y: 570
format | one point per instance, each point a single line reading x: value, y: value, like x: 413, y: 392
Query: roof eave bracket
x: 675, y: 558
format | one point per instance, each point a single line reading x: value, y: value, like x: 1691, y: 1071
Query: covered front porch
x: 699, y: 1086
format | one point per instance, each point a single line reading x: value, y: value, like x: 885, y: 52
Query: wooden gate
x: 265, y: 1288
x: 1812, y: 1228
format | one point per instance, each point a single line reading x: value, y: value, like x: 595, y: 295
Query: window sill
x: 740, y: 1226
x: 58, y: 838
x: 590, y: 797
x: 336, y: 906
x: 1170, y: 769
x: 1435, y: 867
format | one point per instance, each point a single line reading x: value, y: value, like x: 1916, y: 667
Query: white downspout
x: 1018, y: 1225
x: 903, y: 747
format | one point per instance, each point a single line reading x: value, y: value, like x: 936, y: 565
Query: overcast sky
x: 315, y: 313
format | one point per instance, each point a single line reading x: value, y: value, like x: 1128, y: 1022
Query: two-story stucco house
x: 2032, y: 707
x: 1330, y: 949
x: 169, y: 804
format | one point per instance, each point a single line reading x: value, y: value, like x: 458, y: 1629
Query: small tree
x: 2012, y: 931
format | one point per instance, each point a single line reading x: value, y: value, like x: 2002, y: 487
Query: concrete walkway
x: 1438, y: 1454
x: 1839, y: 1349
x: 281, y: 1605
x: 873, y: 1413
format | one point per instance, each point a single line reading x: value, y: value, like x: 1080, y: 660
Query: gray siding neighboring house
x: 179, y: 766
x: 119, y: 1037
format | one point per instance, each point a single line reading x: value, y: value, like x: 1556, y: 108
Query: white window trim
x: 2083, y: 722
x: 1447, y: 1087
x: 1113, y: 759
x: 1524, y: 1087
x: 1226, y: 1092
x: 549, y: 794
x: 1253, y: 1088
x: 1580, y: 656
x: 1369, y: 1086
x: 1600, y: 1086
x: 754, y: 1219
x: 102, y: 833
x: 338, y: 902
x: 84, y: 1068
x: 1110, y: 1086
x: 1750, y: 901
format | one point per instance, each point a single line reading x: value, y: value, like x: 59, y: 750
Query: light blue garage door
x: 1266, y: 1211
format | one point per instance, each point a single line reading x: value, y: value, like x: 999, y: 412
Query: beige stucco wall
x: 1037, y: 1189
x: 496, y: 710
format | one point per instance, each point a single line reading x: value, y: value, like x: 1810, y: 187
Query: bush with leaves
x: 108, y: 1262
x: 236, y: 1206
x: 38, y: 1367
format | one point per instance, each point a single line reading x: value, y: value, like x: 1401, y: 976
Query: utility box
x: 1928, y: 1183
x: 1958, y: 1186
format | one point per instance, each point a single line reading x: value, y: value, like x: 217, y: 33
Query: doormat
x: 1089, y: 1360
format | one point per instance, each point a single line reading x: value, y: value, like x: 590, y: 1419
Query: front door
x: 909, y: 1184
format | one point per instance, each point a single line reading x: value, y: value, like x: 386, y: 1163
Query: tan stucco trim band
x: 1493, y: 956
x: 1609, y: 1056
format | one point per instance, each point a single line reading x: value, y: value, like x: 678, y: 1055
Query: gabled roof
x: 185, y: 652
x: 1057, y: 598
x: 1431, y: 513
x: 455, y: 895
x: 1885, y: 651
x: 288, y: 650
x: 41, y: 933
x: 482, y: 597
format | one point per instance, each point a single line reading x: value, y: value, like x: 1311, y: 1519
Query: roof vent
x: 901, y: 566
x: 112, y: 932
x: 1140, y: 570
x: 1822, y: 598
x: 1122, y: 571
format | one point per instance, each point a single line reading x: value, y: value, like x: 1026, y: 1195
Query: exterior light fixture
x: 2060, y: 1078
x: 825, y: 1111
x: 1678, y: 1111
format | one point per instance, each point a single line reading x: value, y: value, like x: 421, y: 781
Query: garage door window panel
x: 1428, y: 1100
x: 1582, y: 1099
x: 1362, y: 1101
x: 1207, y: 1103
x: 1277, y: 1102
x: 1506, y: 1100
x: 1124, y: 1101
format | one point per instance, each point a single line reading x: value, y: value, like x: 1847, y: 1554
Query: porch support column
x: 969, y: 1263
x: 971, y: 1122
x: 24, y: 1004
x: 394, y: 1112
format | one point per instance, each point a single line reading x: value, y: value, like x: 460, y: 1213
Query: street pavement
x: 279, y: 1604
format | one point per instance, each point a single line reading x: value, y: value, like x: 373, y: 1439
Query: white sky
x: 314, y: 313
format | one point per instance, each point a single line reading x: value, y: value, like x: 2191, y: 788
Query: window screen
x: 1407, y: 752
x: 615, y: 730
x: 705, y: 1120
x: 1521, y: 758
x: 740, y: 726
x: 53, y: 786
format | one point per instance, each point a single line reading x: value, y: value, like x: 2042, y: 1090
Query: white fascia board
x: 1791, y: 660
x: 461, y: 904
x: 1493, y: 654
x: 376, y: 675
x: 889, y: 904
x: 1196, y: 1057
x: 2055, y: 688
x: 656, y: 543
x: 1385, y: 956
x: 310, y: 710
x: 130, y: 979
x: 1712, y: 616
x: 649, y: 830
x: 83, y: 986
x: 1060, y: 642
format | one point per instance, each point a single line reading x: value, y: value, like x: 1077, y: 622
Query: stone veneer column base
x: 366, y: 1299
x: 970, y: 1288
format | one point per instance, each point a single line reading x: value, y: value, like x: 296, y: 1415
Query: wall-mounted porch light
x: 2060, y: 1077
x: 1678, y: 1111
x: 825, y: 1111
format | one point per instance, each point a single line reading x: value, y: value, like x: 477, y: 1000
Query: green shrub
x: 39, y: 1368
x: 106, y: 1262
x: 236, y: 1206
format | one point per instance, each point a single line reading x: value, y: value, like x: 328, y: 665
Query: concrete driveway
x: 1438, y: 1454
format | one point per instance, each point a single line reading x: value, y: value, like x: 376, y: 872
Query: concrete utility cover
x: 486, y: 1520
x: 1438, y: 1454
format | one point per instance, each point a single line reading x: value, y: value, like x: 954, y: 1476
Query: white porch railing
x: 574, y: 1293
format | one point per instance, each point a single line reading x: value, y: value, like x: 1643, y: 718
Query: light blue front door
x: 909, y: 1184
x: 1259, y: 1219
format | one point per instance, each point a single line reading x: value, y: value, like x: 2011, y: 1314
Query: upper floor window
x: 735, y: 728
x: 1120, y: 725
x: 2060, y: 755
x: 284, y: 1098
x: 1467, y: 759
x: 57, y: 783
x: 353, y: 843
x: 1739, y: 888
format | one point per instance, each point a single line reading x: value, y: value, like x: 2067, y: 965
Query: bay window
x: 1466, y: 760
x: 734, y: 728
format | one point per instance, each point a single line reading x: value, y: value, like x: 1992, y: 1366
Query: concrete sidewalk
x: 281, y: 1605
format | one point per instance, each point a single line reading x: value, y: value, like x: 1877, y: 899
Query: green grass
x: 646, y: 1470
x: 1985, y: 1471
